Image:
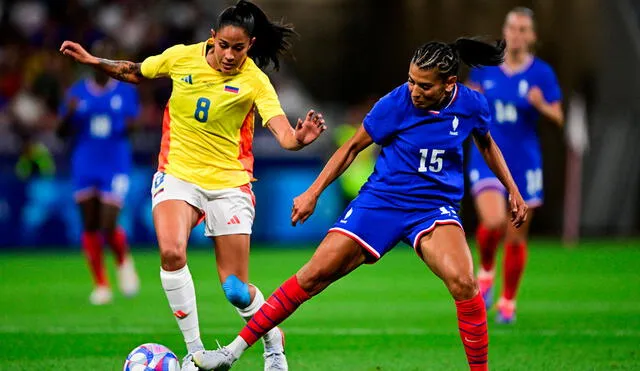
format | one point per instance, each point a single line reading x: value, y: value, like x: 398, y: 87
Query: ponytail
x: 446, y: 57
x: 476, y: 53
x: 272, y: 39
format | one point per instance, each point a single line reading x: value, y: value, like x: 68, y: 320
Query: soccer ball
x: 151, y: 357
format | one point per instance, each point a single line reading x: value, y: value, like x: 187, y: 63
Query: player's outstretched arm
x: 121, y: 70
x: 304, y: 133
x: 493, y: 157
x: 305, y: 204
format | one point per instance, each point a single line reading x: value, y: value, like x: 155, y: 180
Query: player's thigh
x: 90, y: 212
x: 446, y: 253
x: 229, y: 221
x: 336, y: 256
x: 177, y: 208
x: 521, y: 234
x: 491, y: 206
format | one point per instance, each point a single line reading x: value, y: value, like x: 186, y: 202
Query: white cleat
x: 275, y: 362
x: 187, y: 363
x: 128, y: 280
x: 274, y: 357
x: 101, y: 295
x: 216, y: 360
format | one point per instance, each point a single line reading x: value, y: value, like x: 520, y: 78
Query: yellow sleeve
x: 160, y: 65
x: 267, y: 100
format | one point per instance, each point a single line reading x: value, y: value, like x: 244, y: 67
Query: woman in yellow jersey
x: 206, y: 162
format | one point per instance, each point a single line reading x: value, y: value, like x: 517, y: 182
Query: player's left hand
x: 310, y: 129
x: 518, y: 209
x: 303, y: 206
x: 536, y: 98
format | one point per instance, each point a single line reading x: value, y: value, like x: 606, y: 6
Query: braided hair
x: 446, y: 57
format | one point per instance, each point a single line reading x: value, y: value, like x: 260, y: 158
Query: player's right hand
x: 77, y: 52
x: 518, y: 209
x: 303, y: 207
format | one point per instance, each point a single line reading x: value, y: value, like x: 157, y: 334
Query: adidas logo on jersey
x: 187, y: 79
x: 454, y: 125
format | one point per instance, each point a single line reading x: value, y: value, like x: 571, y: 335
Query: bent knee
x: 494, y: 221
x: 463, y: 286
x: 237, y: 292
x: 173, y: 253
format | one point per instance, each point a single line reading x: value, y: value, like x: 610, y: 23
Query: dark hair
x: 272, y: 39
x: 446, y: 57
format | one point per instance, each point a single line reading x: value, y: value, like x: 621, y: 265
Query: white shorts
x: 225, y: 211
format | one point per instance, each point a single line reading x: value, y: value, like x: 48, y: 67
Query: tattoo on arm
x: 122, y: 70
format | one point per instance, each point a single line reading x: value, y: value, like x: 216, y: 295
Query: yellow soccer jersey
x: 207, y: 128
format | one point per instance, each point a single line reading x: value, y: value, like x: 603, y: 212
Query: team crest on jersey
x: 454, y: 126
x: 523, y: 88
x: 116, y: 102
x: 346, y: 216
x: 188, y: 79
x: 488, y: 84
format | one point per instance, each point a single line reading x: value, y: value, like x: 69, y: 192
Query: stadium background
x: 363, y: 48
x: 349, y: 54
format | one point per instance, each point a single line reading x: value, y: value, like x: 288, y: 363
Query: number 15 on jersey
x: 435, y: 160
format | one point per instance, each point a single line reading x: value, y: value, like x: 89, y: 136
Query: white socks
x: 272, y: 340
x: 178, y: 285
x: 238, y: 346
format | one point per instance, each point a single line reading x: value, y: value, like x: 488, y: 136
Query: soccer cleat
x: 506, y: 311
x: 216, y: 360
x: 485, y: 282
x: 274, y: 357
x: 275, y: 362
x: 101, y: 295
x: 187, y: 363
x: 128, y: 280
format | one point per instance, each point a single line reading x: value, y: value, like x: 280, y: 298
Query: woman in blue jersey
x: 98, y: 112
x: 413, y: 196
x: 518, y: 91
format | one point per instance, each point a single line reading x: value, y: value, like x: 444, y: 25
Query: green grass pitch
x: 578, y: 310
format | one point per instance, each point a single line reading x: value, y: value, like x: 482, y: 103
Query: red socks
x: 92, y: 246
x: 280, y: 305
x: 515, y: 258
x: 488, y: 240
x: 472, y: 323
x: 118, y: 242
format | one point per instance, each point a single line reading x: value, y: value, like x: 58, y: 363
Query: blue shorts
x: 380, y: 230
x: 527, y: 176
x: 108, y: 186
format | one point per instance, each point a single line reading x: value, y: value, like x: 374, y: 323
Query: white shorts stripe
x: 359, y: 240
x: 431, y: 227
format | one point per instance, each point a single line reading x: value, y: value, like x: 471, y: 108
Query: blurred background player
x: 519, y: 91
x: 206, y: 160
x: 358, y: 172
x: 99, y: 112
x: 412, y: 196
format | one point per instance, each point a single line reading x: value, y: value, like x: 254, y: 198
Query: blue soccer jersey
x: 418, y: 180
x: 514, y: 126
x: 101, y: 156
